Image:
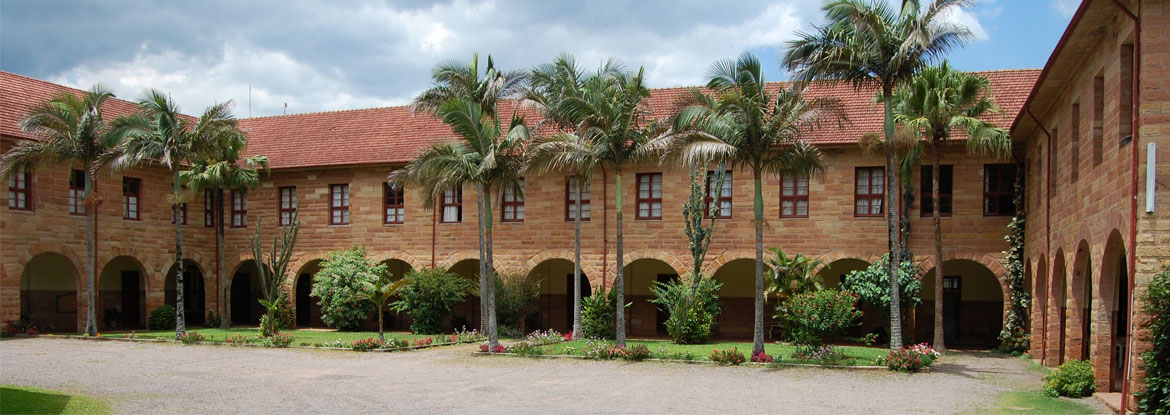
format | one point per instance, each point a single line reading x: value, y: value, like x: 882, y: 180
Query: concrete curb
x: 206, y: 343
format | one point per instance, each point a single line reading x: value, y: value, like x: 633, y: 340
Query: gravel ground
x: 172, y: 378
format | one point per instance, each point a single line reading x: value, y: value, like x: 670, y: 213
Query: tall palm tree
x: 486, y: 155
x: 217, y: 170
x: 462, y: 80
x: 870, y: 43
x: 554, y: 88
x: 935, y: 102
x: 160, y: 133
x: 70, y: 130
x: 746, y: 126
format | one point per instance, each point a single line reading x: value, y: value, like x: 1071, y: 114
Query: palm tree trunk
x: 939, y: 344
x: 892, y: 224
x: 483, y: 309
x: 577, y: 263
x: 180, y: 318
x: 91, y: 254
x: 619, y: 282
x: 492, y: 332
x: 758, y: 320
x: 225, y: 320
x: 381, y: 333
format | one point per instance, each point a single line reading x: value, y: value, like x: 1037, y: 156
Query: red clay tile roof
x: 395, y: 135
x: 19, y: 94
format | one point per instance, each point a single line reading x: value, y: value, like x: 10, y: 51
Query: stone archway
x: 643, y: 318
x: 973, y: 305
x: 49, y: 294
x: 555, y: 304
x: 121, y: 294
x: 306, y: 309
x: 1111, y: 316
x: 737, y: 296
x: 466, y: 313
x: 398, y: 269
x: 1057, y: 311
x: 1080, y: 303
x: 244, y: 295
x: 194, y: 292
x: 1040, y: 309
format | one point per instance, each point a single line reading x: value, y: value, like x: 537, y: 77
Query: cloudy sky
x: 319, y: 55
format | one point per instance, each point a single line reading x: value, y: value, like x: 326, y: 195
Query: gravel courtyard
x: 172, y: 378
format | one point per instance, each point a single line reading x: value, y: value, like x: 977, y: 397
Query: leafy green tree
x: 338, y: 284
x: 935, y: 102
x: 876, y: 44
x: 871, y: 285
x: 71, y: 130
x: 597, y: 314
x: 692, y: 307
x: 744, y: 125
x: 160, y: 133
x: 428, y: 296
x: 515, y: 298
x: 791, y: 276
x: 379, y: 292
x: 486, y: 154
x: 217, y: 170
x: 820, y: 316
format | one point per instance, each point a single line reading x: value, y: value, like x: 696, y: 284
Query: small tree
x: 428, y: 297
x: 515, y: 299
x: 872, y: 285
x: 597, y: 314
x: 273, y: 272
x: 791, y: 276
x: 818, y: 317
x: 338, y: 283
x: 379, y: 292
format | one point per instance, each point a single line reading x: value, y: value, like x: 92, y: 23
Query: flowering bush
x: 1073, y: 379
x: 525, y: 348
x: 279, y: 340
x: 1014, y: 341
x: 483, y: 347
x: 499, y: 349
x: 24, y: 325
x: 423, y: 342
x: 911, y: 358
x: 238, y: 339
x: 819, y: 316
x: 367, y: 344
x: 761, y: 357
x: 540, y: 338
x: 825, y: 355
x: 727, y: 357
x: 604, y: 350
x: 567, y: 336
x: 637, y: 352
x: 191, y: 337
x: 462, y: 335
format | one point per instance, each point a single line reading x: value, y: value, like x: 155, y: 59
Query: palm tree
x: 379, y: 292
x: 220, y: 169
x: 486, y: 155
x: 933, y: 103
x: 872, y: 44
x: 159, y: 133
x: 554, y: 88
x: 744, y: 125
x: 71, y: 130
x: 462, y: 80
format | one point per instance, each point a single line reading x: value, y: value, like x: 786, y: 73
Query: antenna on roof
x: 249, y: 100
x: 286, y: 108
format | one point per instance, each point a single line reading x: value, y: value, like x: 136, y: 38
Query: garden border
x: 207, y: 343
x: 864, y: 368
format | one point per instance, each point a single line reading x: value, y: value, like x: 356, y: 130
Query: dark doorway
x: 661, y: 316
x: 952, y: 297
x: 585, y: 292
x: 1121, y: 327
x: 242, y: 299
x: 130, y: 307
x: 304, y: 301
x: 193, y: 303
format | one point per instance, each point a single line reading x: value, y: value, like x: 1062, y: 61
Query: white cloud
x: 966, y: 18
x: 1066, y: 8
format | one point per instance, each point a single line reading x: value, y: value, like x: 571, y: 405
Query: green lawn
x: 25, y: 400
x: 312, y: 337
x: 1036, y: 402
x: 862, y: 356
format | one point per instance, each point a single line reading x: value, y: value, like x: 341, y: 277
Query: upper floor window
x: 339, y: 204
x: 513, y: 203
x: 288, y: 205
x: 239, y: 209
x: 452, y: 205
x: 571, y: 200
x: 131, y: 196
x: 945, y: 188
x: 870, y: 189
x: 20, y: 191
x: 208, y: 208
x: 793, y: 196
x: 720, y: 193
x: 999, y: 189
x: 393, y: 203
x: 649, y: 196
x: 77, y: 192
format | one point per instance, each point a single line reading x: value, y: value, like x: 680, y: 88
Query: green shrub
x: 525, y: 348
x: 731, y: 357
x: 162, y: 318
x: 428, y: 298
x: 692, y: 308
x: 872, y: 284
x: 285, y: 318
x: 191, y: 337
x: 515, y: 299
x: 597, y: 318
x: 637, y: 352
x: 337, y: 283
x: 818, y: 317
x: 279, y: 340
x: 1156, y: 398
x: 1073, y: 379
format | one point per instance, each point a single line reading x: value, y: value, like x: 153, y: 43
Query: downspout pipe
x: 604, y: 226
x: 1135, y: 125
x: 1047, y: 229
x: 434, y: 233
